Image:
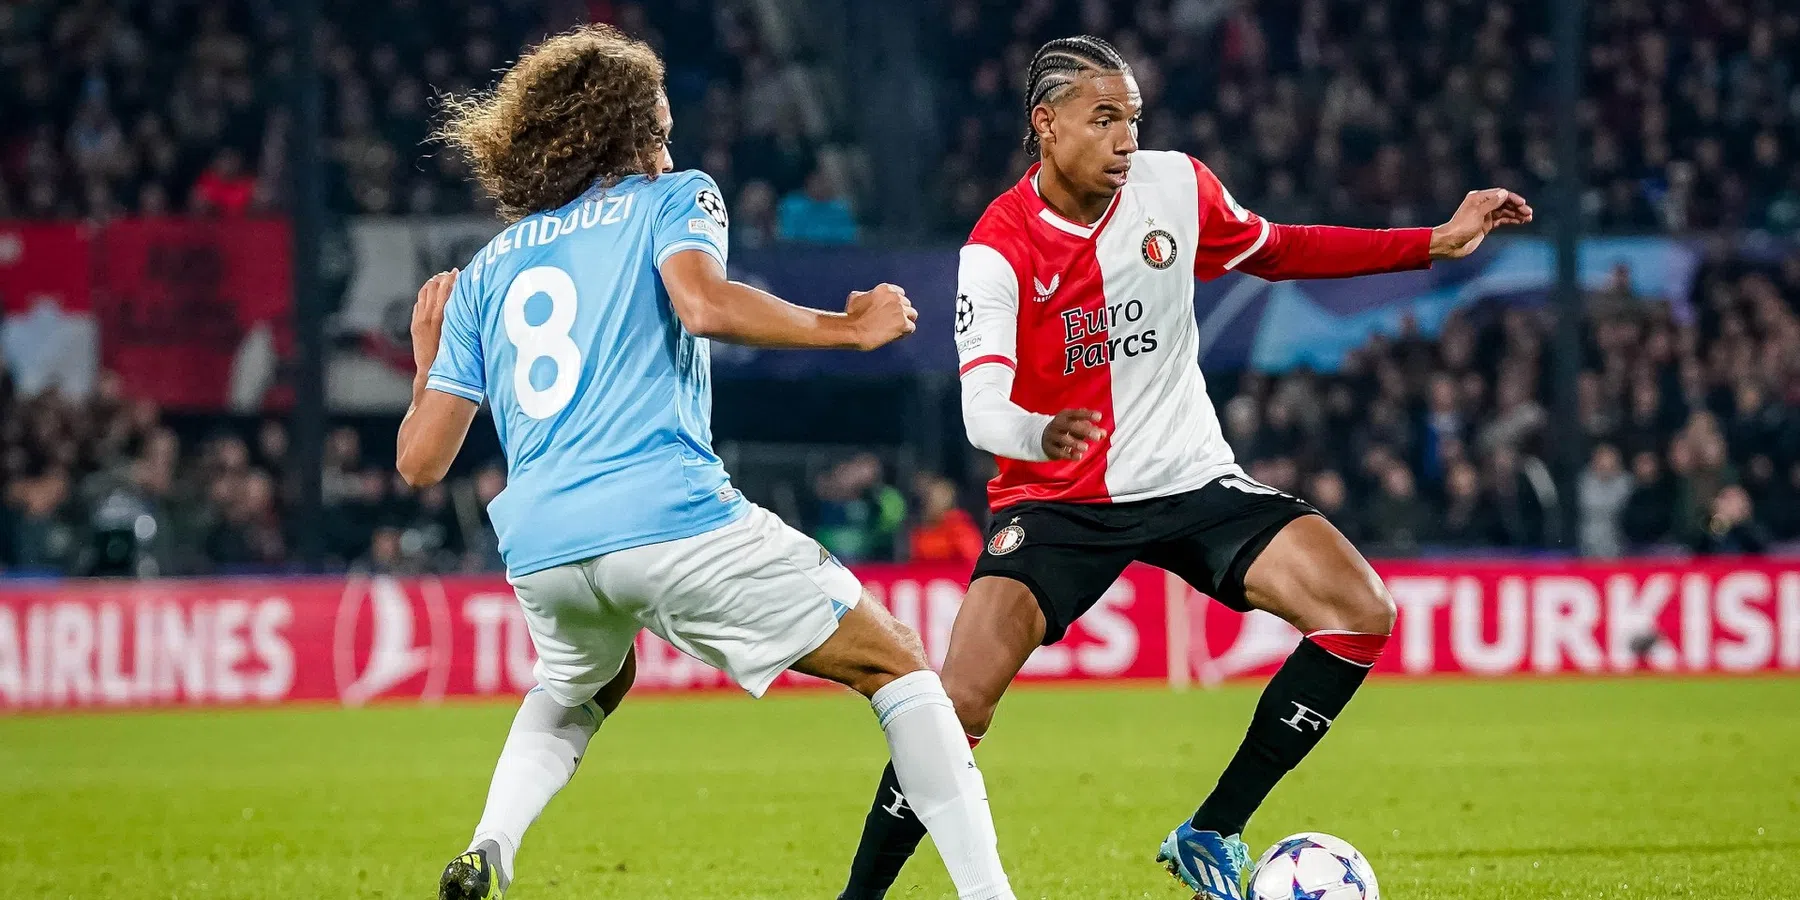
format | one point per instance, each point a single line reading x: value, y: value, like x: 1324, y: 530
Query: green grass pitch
x: 1460, y: 789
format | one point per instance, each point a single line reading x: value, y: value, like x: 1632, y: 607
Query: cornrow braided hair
x: 1056, y: 67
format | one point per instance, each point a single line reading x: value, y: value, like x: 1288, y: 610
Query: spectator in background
x: 1444, y: 425
x: 857, y: 516
x: 134, y: 523
x: 1519, y: 488
x: 1603, y: 492
x: 224, y: 189
x: 1469, y: 519
x: 1730, y: 527
x: 1518, y: 417
x: 1782, y: 506
x: 819, y: 214
x: 272, y: 446
x: 343, y: 466
x: 386, y: 555
x: 43, y: 536
x: 1328, y: 494
x: 1399, y: 521
x: 945, y: 532
x: 1697, y: 458
x: 1648, y: 516
x: 481, y: 544
x: 248, y: 535
x: 430, y: 535
x: 753, y: 217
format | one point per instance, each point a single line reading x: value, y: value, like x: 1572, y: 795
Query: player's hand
x: 428, y: 318
x: 1480, y: 213
x: 1069, y: 435
x: 881, y: 316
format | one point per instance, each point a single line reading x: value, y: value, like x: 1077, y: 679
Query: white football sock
x: 942, y: 785
x: 545, y: 745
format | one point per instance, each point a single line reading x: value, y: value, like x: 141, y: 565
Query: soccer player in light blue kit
x: 584, y: 327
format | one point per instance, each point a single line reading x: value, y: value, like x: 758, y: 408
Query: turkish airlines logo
x: 1045, y: 290
x: 1261, y: 640
x: 388, y: 640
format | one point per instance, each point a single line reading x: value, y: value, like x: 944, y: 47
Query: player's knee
x: 1364, y: 605
x: 973, y: 707
x: 912, y: 647
x: 901, y: 653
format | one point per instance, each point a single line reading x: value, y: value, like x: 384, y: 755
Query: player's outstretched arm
x: 712, y: 306
x: 437, y: 422
x: 1329, y: 251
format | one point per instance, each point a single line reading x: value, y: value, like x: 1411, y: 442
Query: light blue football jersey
x: 603, y: 401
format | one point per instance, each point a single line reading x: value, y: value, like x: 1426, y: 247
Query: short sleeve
x: 987, y: 309
x: 1229, y: 233
x: 458, y: 369
x: 692, y: 217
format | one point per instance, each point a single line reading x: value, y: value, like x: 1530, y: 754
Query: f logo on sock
x: 899, y: 804
x: 1304, y: 715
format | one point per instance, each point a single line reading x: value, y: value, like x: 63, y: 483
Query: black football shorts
x: 1068, y: 554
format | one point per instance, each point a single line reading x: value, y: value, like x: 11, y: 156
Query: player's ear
x: 1041, y: 117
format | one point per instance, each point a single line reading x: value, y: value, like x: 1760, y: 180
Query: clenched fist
x: 881, y: 316
x: 428, y: 318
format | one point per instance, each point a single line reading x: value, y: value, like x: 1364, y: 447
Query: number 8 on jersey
x: 549, y: 340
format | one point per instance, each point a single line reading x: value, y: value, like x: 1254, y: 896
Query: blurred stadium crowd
x: 1416, y: 446
x: 1374, y: 113
x: 1309, y: 109
x: 158, y: 106
x: 1385, y: 112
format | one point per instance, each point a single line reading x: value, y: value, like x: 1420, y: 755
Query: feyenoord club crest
x: 1159, y: 249
x: 1007, y: 539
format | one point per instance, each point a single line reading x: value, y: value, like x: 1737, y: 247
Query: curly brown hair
x: 576, y: 109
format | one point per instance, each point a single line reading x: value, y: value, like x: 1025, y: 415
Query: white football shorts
x: 750, y: 598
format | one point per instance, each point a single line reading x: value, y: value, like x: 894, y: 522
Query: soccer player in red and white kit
x: 1075, y: 328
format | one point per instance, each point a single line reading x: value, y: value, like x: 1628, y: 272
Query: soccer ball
x: 1313, y: 866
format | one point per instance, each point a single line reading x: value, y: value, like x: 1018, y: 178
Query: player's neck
x: 1067, y: 201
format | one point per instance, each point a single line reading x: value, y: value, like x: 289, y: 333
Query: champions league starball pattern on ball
x: 1313, y: 866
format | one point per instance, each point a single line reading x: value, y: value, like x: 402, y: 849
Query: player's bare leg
x: 995, y: 632
x: 542, y: 751
x: 1312, y: 577
x: 997, y: 628
x: 883, y: 660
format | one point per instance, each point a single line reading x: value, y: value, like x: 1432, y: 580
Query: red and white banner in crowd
x: 196, y: 314
x: 193, y: 314
x: 371, y: 364
x: 48, y: 337
x: 357, y: 640
x: 44, y: 262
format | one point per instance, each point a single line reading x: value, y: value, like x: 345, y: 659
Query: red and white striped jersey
x: 1101, y: 317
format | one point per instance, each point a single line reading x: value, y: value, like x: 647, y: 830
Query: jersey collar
x: 1028, y: 186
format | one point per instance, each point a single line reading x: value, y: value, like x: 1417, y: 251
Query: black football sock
x: 1296, y: 708
x: 891, y: 834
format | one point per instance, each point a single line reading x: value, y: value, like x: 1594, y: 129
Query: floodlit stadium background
x: 1577, y: 452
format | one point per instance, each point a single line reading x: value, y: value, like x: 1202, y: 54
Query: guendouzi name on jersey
x: 1101, y: 317
x: 602, y: 399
